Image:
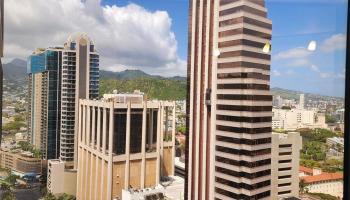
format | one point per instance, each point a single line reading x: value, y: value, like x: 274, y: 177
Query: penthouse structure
x: 229, y: 105
x: 58, y: 78
x: 124, y: 142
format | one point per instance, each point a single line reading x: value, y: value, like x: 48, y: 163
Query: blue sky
x: 295, y: 24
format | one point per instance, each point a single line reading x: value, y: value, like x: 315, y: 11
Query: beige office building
x: 285, y: 165
x: 123, y: 143
x: 229, y: 104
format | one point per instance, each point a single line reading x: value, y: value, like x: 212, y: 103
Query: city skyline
x: 293, y: 67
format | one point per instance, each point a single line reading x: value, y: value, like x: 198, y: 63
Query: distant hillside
x: 134, y: 73
x: 154, y: 88
x: 15, y: 71
x: 292, y: 94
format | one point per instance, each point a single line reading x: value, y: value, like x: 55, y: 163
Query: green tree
x: 330, y: 119
x: 11, y: 179
x: 181, y: 129
x: 25, y: 146
x: 49, y: 196
x: 7, y: 192
x: 66, y: 197
x: 314, y: 150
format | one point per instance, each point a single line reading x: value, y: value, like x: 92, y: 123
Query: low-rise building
x: 317, y: 181
x: 292, y: 119
x: 60, y: 179
x: 285, y: 153
x: 20, y: 162
x: 123, y: 144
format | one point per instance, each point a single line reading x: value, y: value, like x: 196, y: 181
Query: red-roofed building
x: 318, y: 182
x: 304, y: 171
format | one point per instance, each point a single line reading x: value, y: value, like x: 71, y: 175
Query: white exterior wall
x: 334, y: 188
x: 297, y: 118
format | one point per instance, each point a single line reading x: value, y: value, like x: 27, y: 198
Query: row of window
x: 243, y: 151
x: 243, y: 174
x: 244, y: 53
x: 243, y: 119
x: 244, y: 130
x: 243, y: 64
x: 244, y: 31
x: 241, y: 196
x: 244, y: 20
x: 242, y: 162
x: 242, y: 97
x: 243, y: 141
x: 244, y: 108
x: 243, y: 185
x: 248, y: 86
x: 243, y: 75
x: 242, y: 8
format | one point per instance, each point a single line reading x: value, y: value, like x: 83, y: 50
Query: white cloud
x: 298, y: 52
x: 335, y: 42
x: 126, y: 37
x: 332, y: 75
x: 315, y: 68
x: 276, y: 73
x: 290, y: 72
x: 295, y: 57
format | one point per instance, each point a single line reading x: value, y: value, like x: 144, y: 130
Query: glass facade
x: 47, y: 63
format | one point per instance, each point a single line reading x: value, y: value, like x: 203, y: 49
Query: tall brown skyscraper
x: 229, y: 105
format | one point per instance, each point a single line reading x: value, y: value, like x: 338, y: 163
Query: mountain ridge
x: 16, y: 72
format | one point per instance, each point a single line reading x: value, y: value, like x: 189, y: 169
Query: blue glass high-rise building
x: 58, y: 78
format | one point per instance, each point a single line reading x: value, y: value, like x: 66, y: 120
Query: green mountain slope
x: 154, y: 88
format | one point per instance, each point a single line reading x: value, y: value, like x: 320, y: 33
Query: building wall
x: 168, y: 162
x: 60, y: 180
x: 334, y: 188
x: 229, y: 101
x: 297, y: 118
x: 37, y: 110
x: 19, y: 163
x: 285, y: 165
x: 118, y: 178
x: 101, y: 159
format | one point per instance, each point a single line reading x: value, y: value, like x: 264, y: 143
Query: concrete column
x: 88, y: 131
x: 77, y: 143
x: 84, y: 125
x: 143, y: 145
x: 173, y: 138
x: 96, y: 175
x: 150, y: 136
x: 102, y: 177
x: 104, y: 126
x: 93, y: 131
x: 161, y: 139
x: 98, y: 129
x: 127, y: 146
x: 77, y: 136
x: 110, y: 148
x: 158, y: 145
